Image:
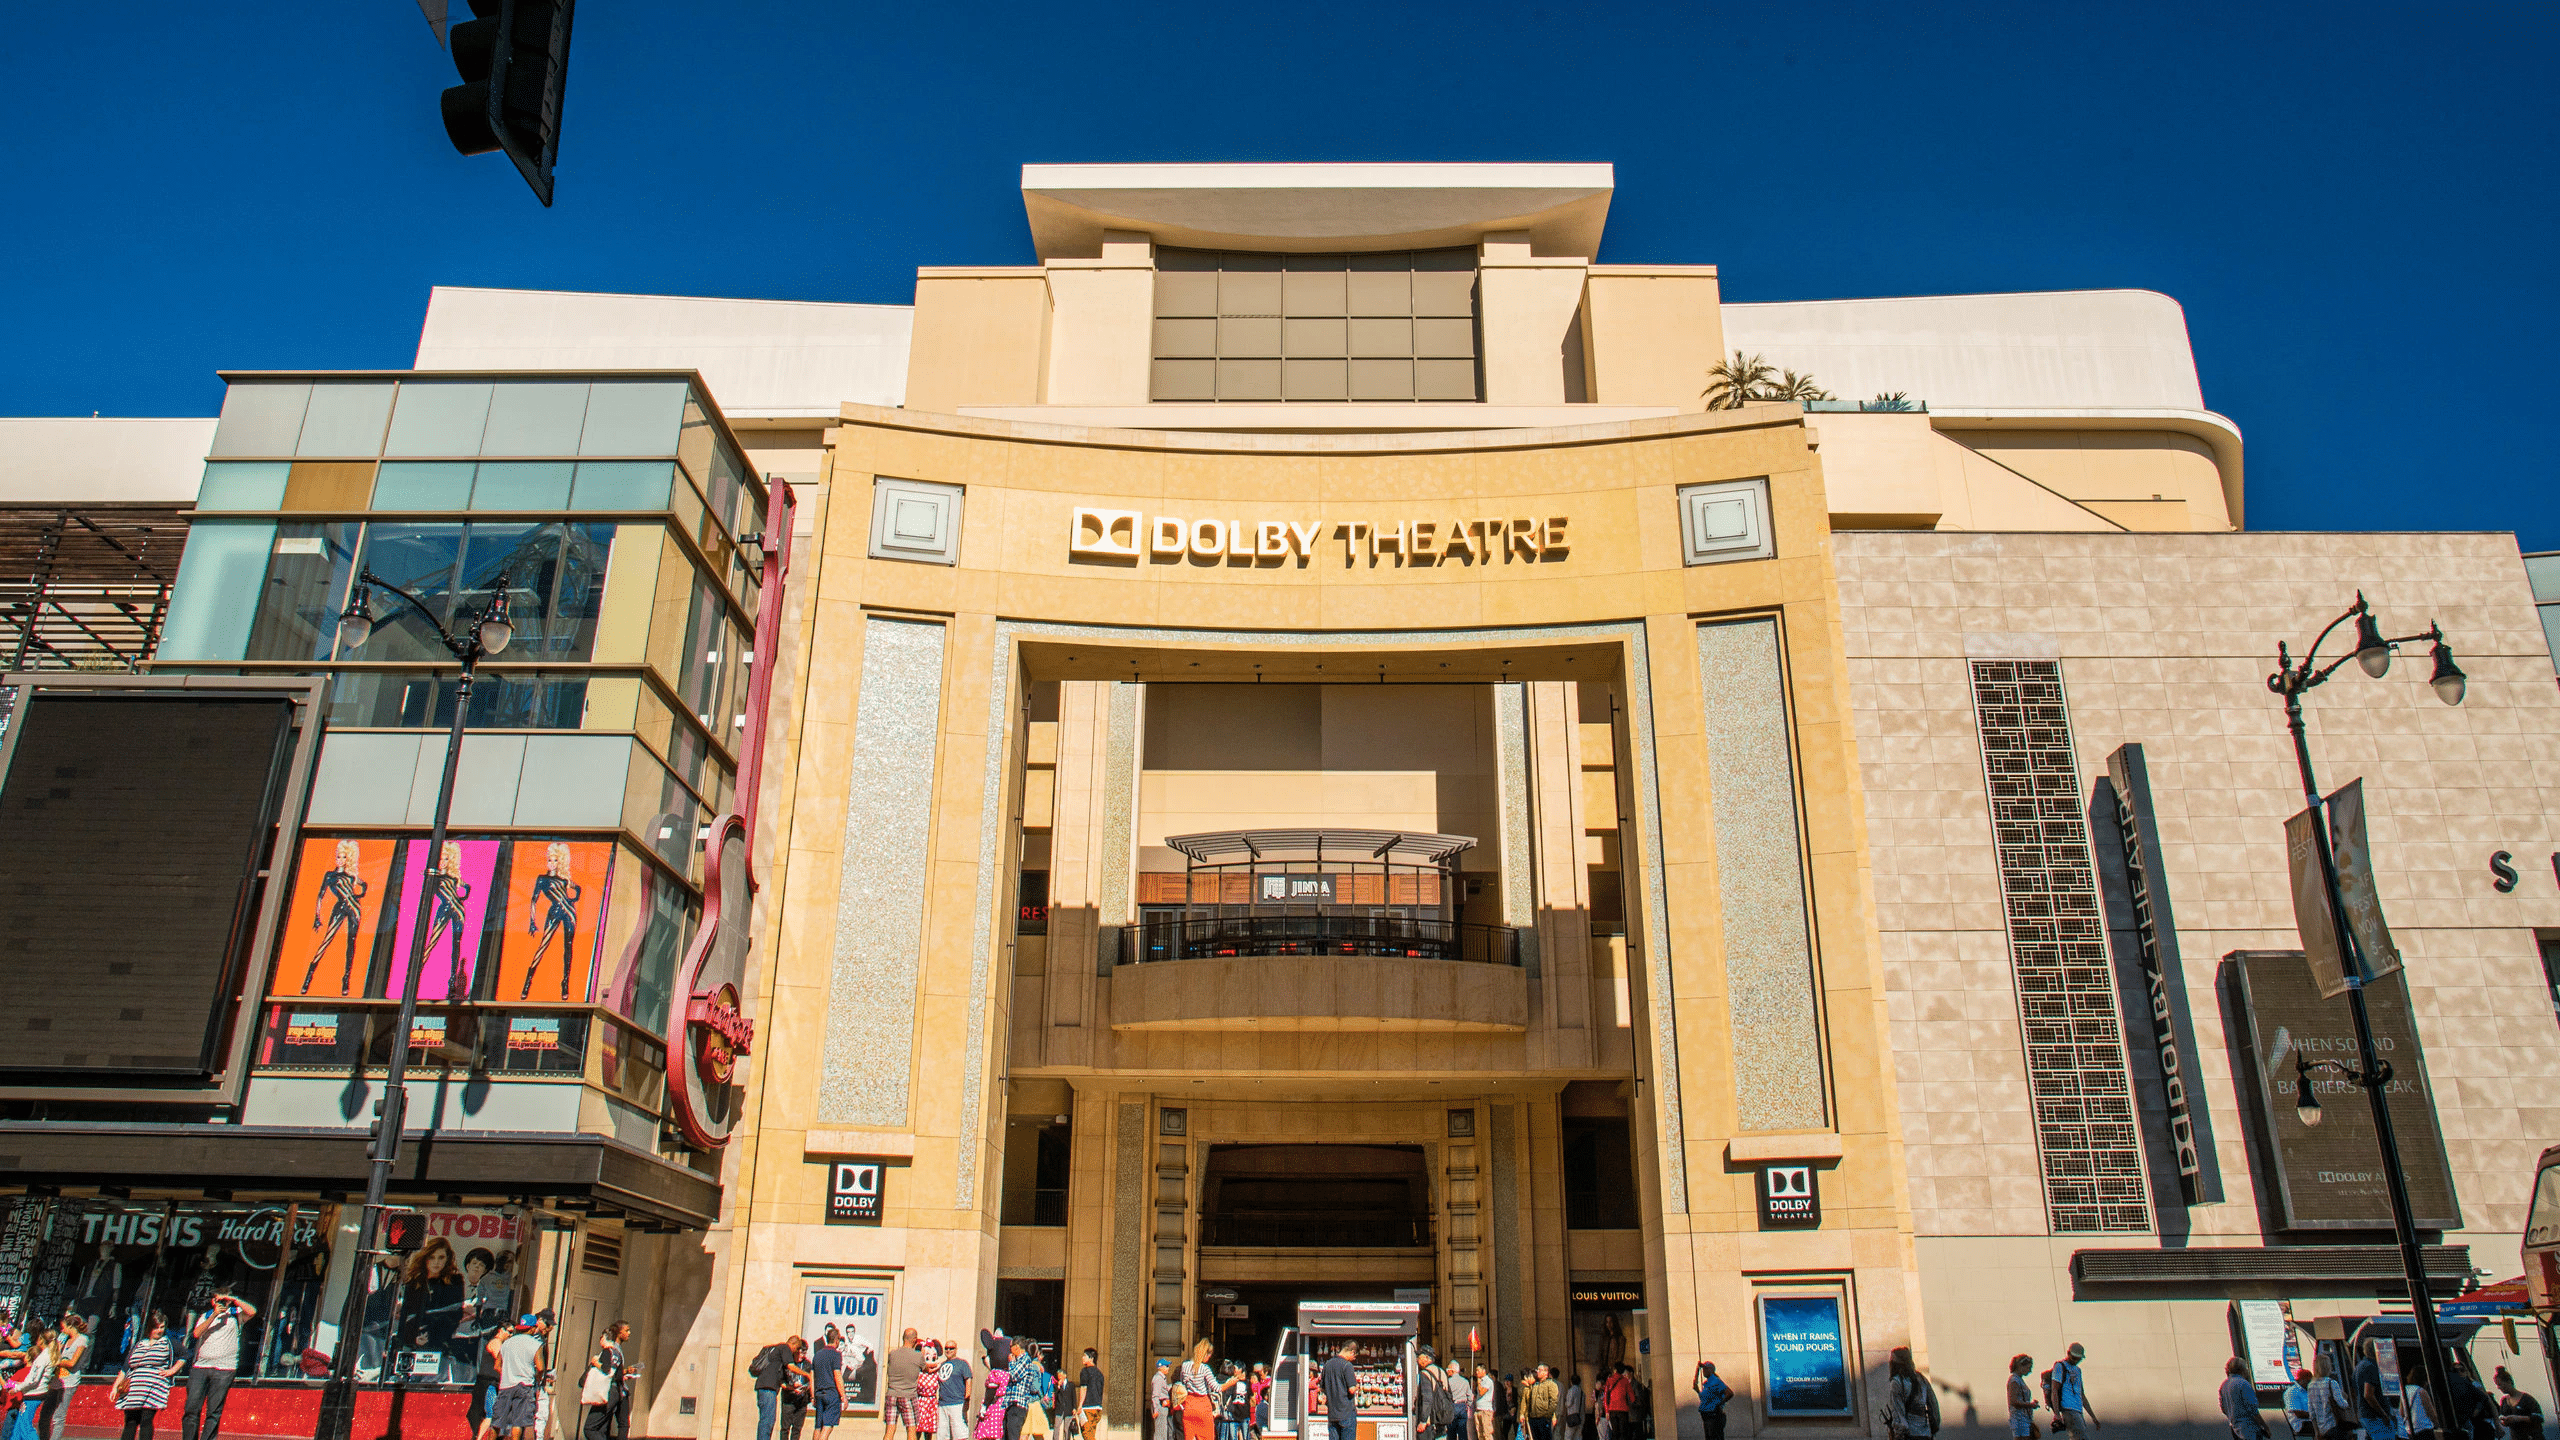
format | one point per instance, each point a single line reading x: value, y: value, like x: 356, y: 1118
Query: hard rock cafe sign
x: 706, y: 1019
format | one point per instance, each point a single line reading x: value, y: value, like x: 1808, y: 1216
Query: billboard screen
x: 514, y: 920
x: 2329, y: 1176
x: 131, y: 827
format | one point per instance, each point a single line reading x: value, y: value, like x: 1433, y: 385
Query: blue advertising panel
x: 1805, y: 1352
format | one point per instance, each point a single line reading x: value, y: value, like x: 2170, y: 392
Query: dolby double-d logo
x: 1788, y: 1197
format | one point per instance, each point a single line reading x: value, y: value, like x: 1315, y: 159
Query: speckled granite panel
x: 1760, y: 880
x: 888, y: 823
x: 1510, y: 1277
x: 983, y: 936
x: 1128, y: 1233
x: 1119, y: 803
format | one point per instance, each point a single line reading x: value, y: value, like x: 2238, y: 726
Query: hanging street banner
x: 2354, y: 859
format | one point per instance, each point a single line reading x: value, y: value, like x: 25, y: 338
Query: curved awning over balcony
x: 1241, y: 847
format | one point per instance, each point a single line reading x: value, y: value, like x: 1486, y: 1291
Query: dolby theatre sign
x: 1126, y: 537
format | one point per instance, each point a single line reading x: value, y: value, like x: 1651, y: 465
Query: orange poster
x: 333, y: 927
x: 556, y: 891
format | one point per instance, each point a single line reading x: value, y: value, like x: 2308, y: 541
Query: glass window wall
x: 305, y: 591
x: 554, y: 574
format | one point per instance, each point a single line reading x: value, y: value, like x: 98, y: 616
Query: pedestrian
x: 1089, y: 1397
x: 217, y: 1359
x: 32, y: 1352
x: 55, y: 1388
x: 2239, y: 1400
x: 1539, y: 1403
x: 2297, y: 1405
x: 954, y: 1399
x: 1911, y: 1401
x: 612, y: 1419
x: 484, y: 1389
x: 142, y: 1387
x: 1462, y: 1403
x: 898, y: 1386
x: 1336, y: 1381
x: 518, y: 1412
x: 1233, y: 1393
x: 2475, y: 1410
x: 2416, y: 1406
x: 1617, y: 1397
x: 2066, y: 1393
x: 1485, y: 1386
x: 1199, y: 1393
x: 1261, y: 1397
x: 826, y: 1382
x: 2022, y: 1397
x: 797, y: 1390
x: 2333, y: 1410
x: 1160, y: 1406
x: 1036, y: 1416
x: 771, y: 1370
x: 1022, y: 1388
x: 1713, y: 1396
x: 2519, y: 1413
x: 1577, y: 1408
x: 1431, y: 1405
x: 2374, y: 1408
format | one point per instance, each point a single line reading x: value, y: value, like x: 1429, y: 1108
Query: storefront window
x: 115, y: 1263
x: 500, y: 700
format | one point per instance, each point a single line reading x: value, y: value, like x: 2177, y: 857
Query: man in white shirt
x: 217, y: 1337
x: 518, y: 1411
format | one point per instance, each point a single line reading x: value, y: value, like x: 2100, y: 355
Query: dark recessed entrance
x: 1282, y: 1224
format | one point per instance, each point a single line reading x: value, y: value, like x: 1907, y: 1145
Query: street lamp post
x: 2372, y: 654
x: 487, y: 634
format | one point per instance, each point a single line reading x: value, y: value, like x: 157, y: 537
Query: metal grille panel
x: 2077, y: 1079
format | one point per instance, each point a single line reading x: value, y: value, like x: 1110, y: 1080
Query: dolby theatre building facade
x: 1317, y: 768
x: 1306, y: 763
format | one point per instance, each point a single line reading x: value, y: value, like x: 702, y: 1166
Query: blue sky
x: 2355, y: 204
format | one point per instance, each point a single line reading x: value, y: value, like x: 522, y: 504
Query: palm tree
x: 1738, y: 382
x: 1795, y: 387
x: 1889, y: 400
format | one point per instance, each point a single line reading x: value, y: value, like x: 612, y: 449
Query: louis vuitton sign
x: 1127, y: 537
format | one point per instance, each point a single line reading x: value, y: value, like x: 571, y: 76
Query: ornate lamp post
x: 487, y: 634
x: 2372, y: 654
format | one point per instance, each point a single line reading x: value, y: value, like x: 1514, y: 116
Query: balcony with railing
x: 1316, y: 929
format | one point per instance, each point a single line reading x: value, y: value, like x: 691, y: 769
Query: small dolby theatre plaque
x: 1788, y: 1197
x: 853, y: 1192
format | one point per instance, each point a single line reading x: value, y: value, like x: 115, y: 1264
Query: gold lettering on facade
x: 1118, y: 535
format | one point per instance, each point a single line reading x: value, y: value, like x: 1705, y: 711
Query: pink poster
x: 455, y: 925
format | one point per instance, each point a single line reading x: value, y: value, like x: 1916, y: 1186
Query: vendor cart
x: 1383, y: 1367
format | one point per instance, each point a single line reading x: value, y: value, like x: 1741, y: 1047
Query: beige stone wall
x: 2167, y: 640
x: 981, y: 338
x: 1650, y: 1009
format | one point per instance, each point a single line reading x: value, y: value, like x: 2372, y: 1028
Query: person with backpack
x: 2239, y: 1401
x: 1434, y: 1410
x: 2066, y: 1394
x: 1713, y: 1396
x: 771, y: 1370
x: 1911, y: 1402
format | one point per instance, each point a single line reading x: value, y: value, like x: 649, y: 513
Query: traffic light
x: 514, y: 61
x: 403, y: 1230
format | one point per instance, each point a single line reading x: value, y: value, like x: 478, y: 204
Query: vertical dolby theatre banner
x: 1804, y: 1351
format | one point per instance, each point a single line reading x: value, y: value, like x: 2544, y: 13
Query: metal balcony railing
x: 1382, y: 936
x: 1339, y: 1230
